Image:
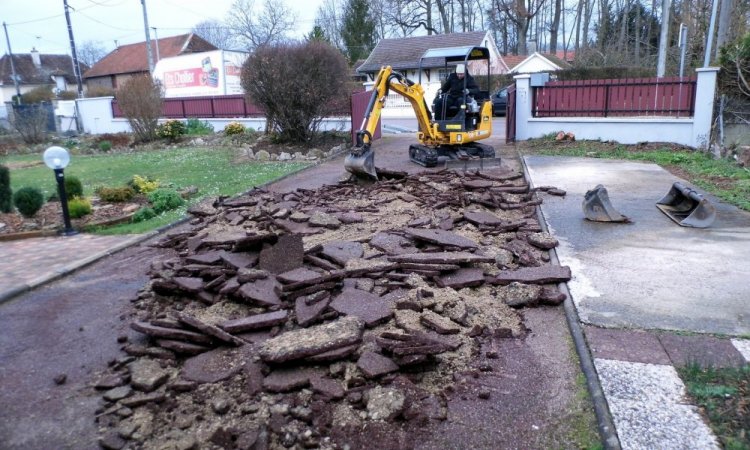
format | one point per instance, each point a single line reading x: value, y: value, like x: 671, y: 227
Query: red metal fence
x: 359, y: 107
x: 203, y: 107
x: 669, y: 96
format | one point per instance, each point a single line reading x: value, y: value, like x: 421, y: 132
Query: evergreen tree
x: 317, y: 34
x: 358, y: 31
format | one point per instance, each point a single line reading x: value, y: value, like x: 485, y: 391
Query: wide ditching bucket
x: 598, y: 208
x: 361, y: 162
x: 687, y: 207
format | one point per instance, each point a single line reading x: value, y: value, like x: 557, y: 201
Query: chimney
x: 36, y: 58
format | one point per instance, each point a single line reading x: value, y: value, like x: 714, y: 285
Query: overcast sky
x: 41, y: 23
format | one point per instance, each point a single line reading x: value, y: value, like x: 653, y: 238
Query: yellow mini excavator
x: 452, y: 137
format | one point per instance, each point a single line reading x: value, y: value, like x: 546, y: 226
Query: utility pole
x: 76, y: 67
x: 663, y: 37
x: 148, y: 39
x: 710, y: 40
x: 12, y: 65
x: 156, y: 38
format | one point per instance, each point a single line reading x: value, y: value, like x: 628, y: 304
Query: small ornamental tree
x: 140, y: 101
x: 297, y: 85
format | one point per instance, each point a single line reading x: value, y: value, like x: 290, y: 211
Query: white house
x: 537, y: 62
x: 404, y: 54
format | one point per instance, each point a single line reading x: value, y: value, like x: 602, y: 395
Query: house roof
x: 28, y: 73
x: 557, y: 59
x: 404, y: 53
x: 513, y: 60
x: 132, y: 58
x: 553, y: 61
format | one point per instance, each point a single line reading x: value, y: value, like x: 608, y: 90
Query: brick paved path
x: 28, y: 261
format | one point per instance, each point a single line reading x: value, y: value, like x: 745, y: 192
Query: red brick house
x: 128, y: 60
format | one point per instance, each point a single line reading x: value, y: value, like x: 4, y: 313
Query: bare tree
x: 411, y: 15
x: 554, y: 27
x: 330, y: 19
x: 520, y: 13
x: 259, y: 28
x: 90, y: 52
x: 216, y: 32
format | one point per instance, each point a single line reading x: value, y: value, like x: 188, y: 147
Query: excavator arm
x: 361, y: 158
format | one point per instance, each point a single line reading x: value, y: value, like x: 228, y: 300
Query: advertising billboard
x: 201, y: 74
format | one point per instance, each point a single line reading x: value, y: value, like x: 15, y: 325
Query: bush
x: 78, y: 207
x: 144, y: 213
x: 199, y: 127
x: 234, y: 128
x: 105, y: 146
x: 143, y: 185
x: 31, y: 122
x: 115, y: 195
x: 99, y: 91
x: 38, y: 95
x: 171, y: 130
x: 6, y: 194
x: 28, y: 201
x: 165, y: 200
x: 67, y: 95
x: 272, y: 77
x: 73, y: 187
x: 140, y: 101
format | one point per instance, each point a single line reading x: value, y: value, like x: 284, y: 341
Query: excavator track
x: 423, y: 155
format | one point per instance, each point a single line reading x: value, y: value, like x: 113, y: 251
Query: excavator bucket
x: 361, y: 162
x: 687, y: 207
x: 472, y: 164
x: 597, y: 207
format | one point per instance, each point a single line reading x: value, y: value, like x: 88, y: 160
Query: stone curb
x: 605, y: 423
x: 72, y: 267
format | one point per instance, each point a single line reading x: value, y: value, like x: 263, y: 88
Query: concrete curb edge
x: 605, y: 423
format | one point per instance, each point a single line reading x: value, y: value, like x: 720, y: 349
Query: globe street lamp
x: 57, y: 158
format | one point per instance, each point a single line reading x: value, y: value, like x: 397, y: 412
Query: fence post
x: 606, y: 100
x: 705, y: 92
x: 524, y: 106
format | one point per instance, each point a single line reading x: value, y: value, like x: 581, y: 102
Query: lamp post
x: 57, y: 158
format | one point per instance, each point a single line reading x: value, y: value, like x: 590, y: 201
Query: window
x: 443, y: 74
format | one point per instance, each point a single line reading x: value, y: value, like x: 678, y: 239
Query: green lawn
x: 212, y: 170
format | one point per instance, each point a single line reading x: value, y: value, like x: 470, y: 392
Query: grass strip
x: 723, y: 396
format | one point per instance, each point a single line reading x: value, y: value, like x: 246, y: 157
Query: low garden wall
x: 97, y: 118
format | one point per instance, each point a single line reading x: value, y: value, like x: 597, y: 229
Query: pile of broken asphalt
x: 328, y: 318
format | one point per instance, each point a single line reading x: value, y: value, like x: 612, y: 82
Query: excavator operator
x: 451, y: 92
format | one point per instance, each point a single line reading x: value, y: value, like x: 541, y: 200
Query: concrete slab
x: 626, y: 345
x: 706, y: 351
x: 648, y: 407
x: 652, y: 273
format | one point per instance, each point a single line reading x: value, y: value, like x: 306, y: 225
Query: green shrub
x: 143, y: 185
x: 28, y: 200
x: 144, y: 213
x: 115, y: 195
x: 171, y: 130
x: 165, y: 200
x: 198, y: 127
x: 78, y: 207
x: 6, y: 194
x: 105, y: 146
x: 233, y: 128
x: 38, y: 95
x: 67, y: 95
x: 73, y: 187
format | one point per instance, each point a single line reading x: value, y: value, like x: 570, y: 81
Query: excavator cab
x: 449, y: 136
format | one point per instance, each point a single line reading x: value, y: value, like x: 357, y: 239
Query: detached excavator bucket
x: 361, y: 162
x: 472, y: 164
x: 597, y: 207
x: 687, y: 207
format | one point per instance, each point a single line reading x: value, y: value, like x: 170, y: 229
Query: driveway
x: 650, y: 274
